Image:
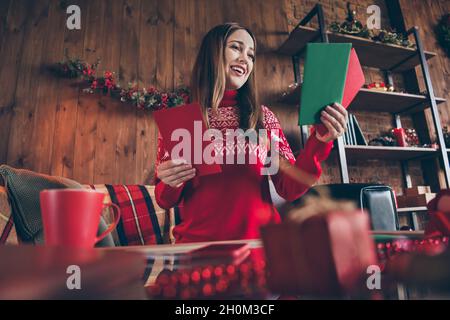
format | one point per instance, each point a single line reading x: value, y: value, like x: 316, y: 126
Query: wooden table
x: 135, y: 272
x: 36, y: 272
x: 170, y: 249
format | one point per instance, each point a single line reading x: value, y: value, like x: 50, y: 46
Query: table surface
x: 38, y: 272
x: 170, y: 249
x: 171, y: 274
x: 179, y: 248
x: 154, y: 271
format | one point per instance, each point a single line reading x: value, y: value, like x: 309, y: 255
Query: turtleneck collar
x: 229, y: 98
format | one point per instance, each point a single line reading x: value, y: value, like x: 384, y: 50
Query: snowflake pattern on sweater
x: 227, y: 120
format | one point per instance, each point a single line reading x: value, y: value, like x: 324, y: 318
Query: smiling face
x: 239, y: 59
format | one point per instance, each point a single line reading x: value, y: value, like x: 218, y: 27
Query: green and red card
x: 332, y: 74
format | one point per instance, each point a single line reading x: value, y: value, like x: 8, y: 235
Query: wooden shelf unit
x: 376, y: 101
x: 388, y: 58
x: 371, y: 54
x: 388, y: 153
x: 412, y: 209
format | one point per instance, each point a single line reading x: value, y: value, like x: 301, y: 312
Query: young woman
x: 235, y: 203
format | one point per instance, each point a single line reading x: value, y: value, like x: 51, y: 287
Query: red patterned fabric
x: 236, y: 203
x: 6, y: 231
x: 142, y: 221
x: 272, y: 124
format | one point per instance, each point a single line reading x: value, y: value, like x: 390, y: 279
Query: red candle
x: 400, y: 136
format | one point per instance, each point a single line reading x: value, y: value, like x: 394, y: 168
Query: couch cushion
x: 7, y: 231
x: 142, y: 222
x: 23, y: 188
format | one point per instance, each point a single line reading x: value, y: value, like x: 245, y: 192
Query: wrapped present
x: 420, y: 200
x: 323, y: 248
x: 439, y: 215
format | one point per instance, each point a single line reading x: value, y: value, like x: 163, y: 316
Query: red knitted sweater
x: 235, y: 203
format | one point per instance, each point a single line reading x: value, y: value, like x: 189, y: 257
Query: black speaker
x: 378, y: 200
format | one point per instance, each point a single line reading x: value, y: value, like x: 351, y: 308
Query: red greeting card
x: 354, y: 79
x: 182, y: 129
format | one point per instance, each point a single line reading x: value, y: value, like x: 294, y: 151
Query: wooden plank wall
x: 49, y: 125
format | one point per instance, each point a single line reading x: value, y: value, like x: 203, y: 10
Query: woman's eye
x: 252, y: 57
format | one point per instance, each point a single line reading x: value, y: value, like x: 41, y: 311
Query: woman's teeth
x: 238, y: 70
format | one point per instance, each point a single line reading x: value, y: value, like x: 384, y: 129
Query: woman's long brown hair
x: 208, y: 78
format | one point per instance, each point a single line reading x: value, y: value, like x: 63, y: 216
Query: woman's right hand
x: 175, y: 172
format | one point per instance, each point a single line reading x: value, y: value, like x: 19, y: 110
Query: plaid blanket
x: 142, y: 220
x: 6, y: 228
x: 8, y: 234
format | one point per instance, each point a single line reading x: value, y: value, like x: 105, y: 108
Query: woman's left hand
x: 335, y: 118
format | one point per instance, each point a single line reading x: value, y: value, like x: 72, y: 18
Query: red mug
x: 71, y: 217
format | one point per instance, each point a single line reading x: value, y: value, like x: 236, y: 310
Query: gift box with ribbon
x: 323, y: 248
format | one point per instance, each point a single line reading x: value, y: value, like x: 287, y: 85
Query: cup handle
x: 113, y: 225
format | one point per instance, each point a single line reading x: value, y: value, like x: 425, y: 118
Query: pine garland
x: 355, y: 28
x: 142, y: 98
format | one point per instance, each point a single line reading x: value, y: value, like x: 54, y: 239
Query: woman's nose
x: 243, y: 58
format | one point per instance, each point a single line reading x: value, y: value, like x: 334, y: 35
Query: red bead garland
x: 249, y: 278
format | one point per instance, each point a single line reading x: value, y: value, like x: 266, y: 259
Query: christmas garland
x: 385, y: 140
x: 145, y: 98
x: 411, y: 139
x: 379, y: 86
x: 443, y: 32
x: 354, y: 27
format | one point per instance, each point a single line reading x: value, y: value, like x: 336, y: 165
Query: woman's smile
x: 238, y: 70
